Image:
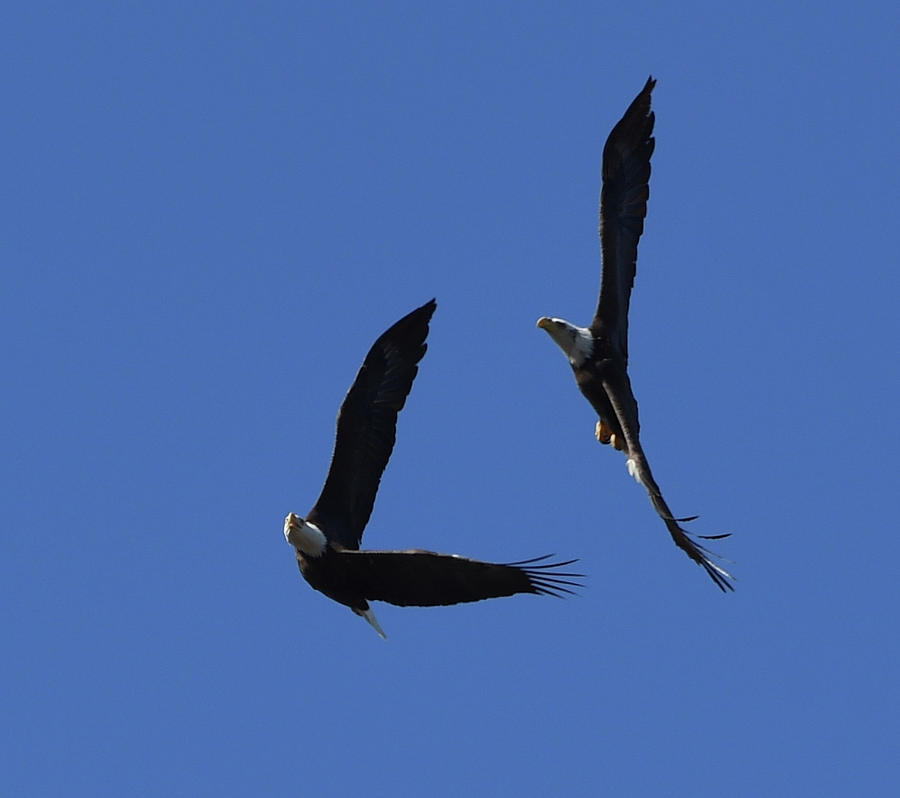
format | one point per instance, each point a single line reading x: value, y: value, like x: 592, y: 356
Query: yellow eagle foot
x: 605, y: 435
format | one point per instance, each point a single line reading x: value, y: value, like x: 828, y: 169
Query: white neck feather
x: 304, y: 536
x: 576, y: 342
x: 582, y: 346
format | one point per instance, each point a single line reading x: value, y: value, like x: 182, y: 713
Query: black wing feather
x: 623, y: 207
x: 427, y: 579
x: 625, y: 407
x: 366, y: 428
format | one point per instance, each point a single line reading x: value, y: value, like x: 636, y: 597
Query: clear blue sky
x: 210, y: 211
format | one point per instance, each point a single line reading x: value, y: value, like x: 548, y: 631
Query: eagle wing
x: 621, y: 397
x: 366, y: 428
x: 623, y: 207
x: 426, y: 579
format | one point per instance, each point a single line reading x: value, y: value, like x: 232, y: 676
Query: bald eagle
x: 327, y: 540
x: 598, y: 354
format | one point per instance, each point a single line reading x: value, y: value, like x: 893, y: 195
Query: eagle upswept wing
x: 623, y: 207
x: 366, y: 428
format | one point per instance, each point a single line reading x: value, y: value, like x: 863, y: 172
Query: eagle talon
x: 603, y: 433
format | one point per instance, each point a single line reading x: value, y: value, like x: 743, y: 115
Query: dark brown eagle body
x: 604, y: 365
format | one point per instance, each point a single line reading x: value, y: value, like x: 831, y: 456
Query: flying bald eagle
x: 327, y: 540
x: 598, y: 354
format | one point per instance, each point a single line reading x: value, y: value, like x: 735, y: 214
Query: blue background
x: 209, y: 212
